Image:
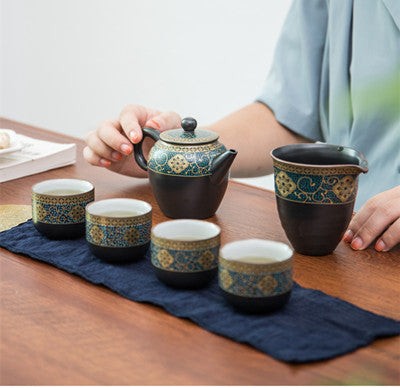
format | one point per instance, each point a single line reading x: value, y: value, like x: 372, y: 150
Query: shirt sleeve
x: 292, y: 87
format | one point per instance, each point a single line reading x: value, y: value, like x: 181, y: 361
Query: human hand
x: 111, y: 144
x: 378, y: 218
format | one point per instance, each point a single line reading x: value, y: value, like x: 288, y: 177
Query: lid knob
x: 189, y: 124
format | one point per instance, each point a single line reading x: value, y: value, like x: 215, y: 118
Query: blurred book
x: 28, y: 156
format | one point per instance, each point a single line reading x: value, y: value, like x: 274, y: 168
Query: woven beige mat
x: 13, y: 215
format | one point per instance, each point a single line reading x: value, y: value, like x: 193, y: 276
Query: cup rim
x: 146, y: 208
x: 283, y: 253
x: 184, y: 225
x: 87, y: 186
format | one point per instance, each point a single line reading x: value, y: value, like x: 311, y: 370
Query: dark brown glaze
x: 314, y: 229
x: 122, y: 255
x: 187, y: 197
x: 61, y: 231
x: 258, y: 305
x: 189, y: 280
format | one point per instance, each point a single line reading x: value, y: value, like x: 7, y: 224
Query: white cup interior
x: 128, y: 205
x: 61, y: 185
x: 245, y: 250
x: 193, y: 230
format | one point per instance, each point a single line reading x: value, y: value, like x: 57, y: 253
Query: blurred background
x: 66, y: 65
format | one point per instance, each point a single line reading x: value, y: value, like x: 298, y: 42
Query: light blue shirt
x: 336, y: 78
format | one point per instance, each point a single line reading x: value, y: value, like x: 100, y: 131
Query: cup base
x: 123, y: 255
x: 61, y: 231
x: 188, y: 280
x: 258, y: 305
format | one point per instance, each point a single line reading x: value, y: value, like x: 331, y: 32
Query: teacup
x: 58, y: 207
x: 118, y: 229
x: 184, y: 253
x: 315, y: 188
x: 255, y: 275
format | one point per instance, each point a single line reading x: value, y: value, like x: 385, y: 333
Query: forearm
x: 253, y: 131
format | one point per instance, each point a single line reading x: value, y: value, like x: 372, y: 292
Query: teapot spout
x: 220, y: 166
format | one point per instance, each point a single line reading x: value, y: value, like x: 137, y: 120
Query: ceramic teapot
x: 188, y: 169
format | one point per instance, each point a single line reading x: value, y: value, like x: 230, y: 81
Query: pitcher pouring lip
x: 363, y: 163
x: 320, y: 155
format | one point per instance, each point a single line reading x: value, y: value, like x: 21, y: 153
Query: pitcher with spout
x: 315, y: 189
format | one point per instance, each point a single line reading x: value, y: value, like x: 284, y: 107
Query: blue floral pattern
x: 188, y: 160
x: 118, y: 236
x: 60, y: 210
x: 118, y: 232
x: 185, y: 256
x: 307, y: 187
x: 253, y: 280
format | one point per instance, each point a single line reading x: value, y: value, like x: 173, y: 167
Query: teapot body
x: 181, y: 179
x: 188, y: 171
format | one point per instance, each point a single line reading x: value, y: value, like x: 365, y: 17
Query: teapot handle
x: 138, y: 148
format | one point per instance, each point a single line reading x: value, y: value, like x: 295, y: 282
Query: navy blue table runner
x: 313, y: 326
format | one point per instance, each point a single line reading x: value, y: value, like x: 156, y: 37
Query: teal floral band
x: 60, y: 210
x: 118, y: 232
x: 185, y: 256
x: 315, y: 188
x: 248, y: 282
x: 187, y: 161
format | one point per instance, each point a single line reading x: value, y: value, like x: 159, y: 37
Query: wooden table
x: 58, y: 329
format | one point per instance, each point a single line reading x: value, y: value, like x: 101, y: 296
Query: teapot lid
x: 188, y: 135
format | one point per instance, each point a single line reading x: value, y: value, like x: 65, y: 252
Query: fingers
x: 134, y: 117
x: 101, y: 148
x: 108, y: 138
x: 375, y: 225
x: 112, y: 141
x: 130, y: 119
x: 95, y: 159
x: 109, y: 133
x: 361, y: 217
x: 164, y: 121
x: 379, y: 217
x: 390, y: 238
x: 106, y: 145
